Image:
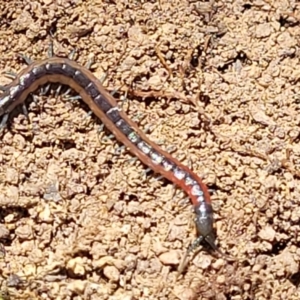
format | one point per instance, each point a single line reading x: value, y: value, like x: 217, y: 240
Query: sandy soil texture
x: 216, y: 83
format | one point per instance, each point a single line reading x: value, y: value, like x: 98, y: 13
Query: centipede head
x: 204, y: 224
x: 204, y: 221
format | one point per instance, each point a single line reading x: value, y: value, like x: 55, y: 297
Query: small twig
x: 162, y: 60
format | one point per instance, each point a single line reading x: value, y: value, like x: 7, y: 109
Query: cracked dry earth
x: 216, y: 84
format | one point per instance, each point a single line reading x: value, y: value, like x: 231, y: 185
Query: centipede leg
x: 58, y: 90
x: 101, y: 128
x: 132, y: 160
x: 50, y: 51
x: 66, y: 93
x: 109, y: 137
x: 138, y: 118
x: 88, y: 65
x: 105, y: 138
x: 71, y: 55
x: 74, y: 98
x: 147, y: 129
x: 3, y: 88
x: 211, y: 191
x: 45, y: 89
x: 4, y: 121
x: 159, y: 178
x: 147, y: 171
x: 190, y: 163
x: 114, y: 91
x: 34, y: 98
x: 119, y: 150
x: 25, y: 110
x: 10, y: 74
x: 26, y: 59
x: 103, y: 78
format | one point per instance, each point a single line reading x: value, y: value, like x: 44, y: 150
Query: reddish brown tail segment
x: 105, y: 107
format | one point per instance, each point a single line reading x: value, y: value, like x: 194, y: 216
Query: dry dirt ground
x: 218, y: 84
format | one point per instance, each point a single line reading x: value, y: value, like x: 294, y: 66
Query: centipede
x: 68, y: 72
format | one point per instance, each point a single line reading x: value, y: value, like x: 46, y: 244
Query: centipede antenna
x: 4, y: 120
x: 182, y: 264
x: 194, y: 245
x: 210, y: 240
